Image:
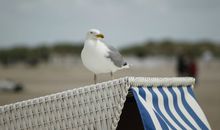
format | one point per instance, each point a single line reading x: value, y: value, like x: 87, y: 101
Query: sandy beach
x: 51, y: 78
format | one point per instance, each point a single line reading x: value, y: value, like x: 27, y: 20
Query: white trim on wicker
x: 161, y: 81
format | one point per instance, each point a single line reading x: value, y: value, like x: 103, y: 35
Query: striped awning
x: 169, y: 107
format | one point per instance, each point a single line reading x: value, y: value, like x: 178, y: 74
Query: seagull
x: 99, y: 57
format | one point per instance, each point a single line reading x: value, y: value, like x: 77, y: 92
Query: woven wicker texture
x: 95, y: 107
x: 91, y: 107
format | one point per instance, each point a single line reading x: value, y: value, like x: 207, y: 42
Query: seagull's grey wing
x: 115, y: 56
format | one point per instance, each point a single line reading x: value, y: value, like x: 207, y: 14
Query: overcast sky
x: 122, y: 21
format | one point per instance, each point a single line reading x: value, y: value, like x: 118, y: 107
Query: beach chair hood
x: 163, y: 103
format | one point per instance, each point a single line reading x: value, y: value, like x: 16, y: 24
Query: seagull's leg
x: 95, y: 78
x: 112, y: 76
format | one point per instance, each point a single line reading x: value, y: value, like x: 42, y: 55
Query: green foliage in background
x: 34, y: 55
x: 172, y: 48
x: 66, y: 48
x: 24, y: 54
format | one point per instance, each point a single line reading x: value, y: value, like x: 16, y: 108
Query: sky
x: 123, y: 22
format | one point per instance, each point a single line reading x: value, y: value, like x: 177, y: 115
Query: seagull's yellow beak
x: 100, y: 35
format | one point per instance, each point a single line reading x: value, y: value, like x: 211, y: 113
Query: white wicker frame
x: 94, y: 107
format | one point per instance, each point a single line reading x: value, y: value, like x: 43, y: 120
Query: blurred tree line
x: 33, y: 56
x: 172, y: 48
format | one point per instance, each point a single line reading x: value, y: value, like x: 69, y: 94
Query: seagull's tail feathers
x: 126, y: 66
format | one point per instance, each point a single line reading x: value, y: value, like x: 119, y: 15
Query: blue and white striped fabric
x: 169, y: 108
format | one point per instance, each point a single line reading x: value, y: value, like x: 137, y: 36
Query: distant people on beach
x: 192, y: 67
x: 207, y: 57
x: 187, y: 66
x: 181, y: 65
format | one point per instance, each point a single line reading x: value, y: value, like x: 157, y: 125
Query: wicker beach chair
x: 156, y: 103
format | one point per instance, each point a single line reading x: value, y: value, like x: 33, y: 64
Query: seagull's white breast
x: 94, y: 57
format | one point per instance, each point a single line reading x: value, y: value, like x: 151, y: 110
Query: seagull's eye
x: 91, y: 32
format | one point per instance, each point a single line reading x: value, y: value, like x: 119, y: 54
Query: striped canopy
x: 169, y: 107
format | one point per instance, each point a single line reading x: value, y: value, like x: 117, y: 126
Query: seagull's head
x: 94, y: 34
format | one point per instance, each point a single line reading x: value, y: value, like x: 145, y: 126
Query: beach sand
x: 48, y: 78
